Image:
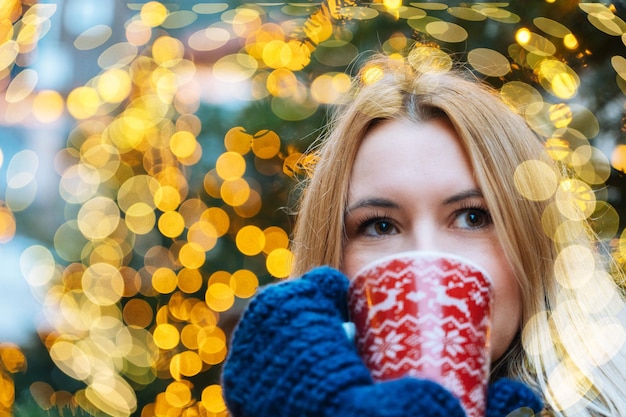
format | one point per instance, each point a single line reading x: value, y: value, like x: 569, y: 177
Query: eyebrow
x: 372, y: 202
x: 463, y: 195
x: 384, y: 203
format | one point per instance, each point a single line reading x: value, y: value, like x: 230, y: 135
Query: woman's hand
x: 290, y: 357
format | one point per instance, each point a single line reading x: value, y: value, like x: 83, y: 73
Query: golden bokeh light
x: 166, y: 336
x: 138, y: 313
x: 203, y: 234
x: 7, y: 224
x: 230, y: 166
x: 164, y: 280
x: 171, y: 224
x: 535, y: 180
x: 235, y: 192
x: 219, y: 297
x: 489, y: 62
x: 575, y: 199
x: 178, y: 394
x: 48, y: 106
x: 192, y: 255
x: 212, y: 399
x: 250, y: 240
x: 83, y: 102
x: 189, y: 280
x: 244, y: 283
x: 279, y: 262
x: 153, y: 13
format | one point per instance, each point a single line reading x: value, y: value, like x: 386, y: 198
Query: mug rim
x: 430, y: 254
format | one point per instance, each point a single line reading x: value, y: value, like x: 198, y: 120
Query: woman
x: 423, y: 158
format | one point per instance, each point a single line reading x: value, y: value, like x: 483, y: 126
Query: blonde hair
x: 558, y: 352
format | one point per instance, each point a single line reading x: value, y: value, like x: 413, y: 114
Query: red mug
x: 427, y: 315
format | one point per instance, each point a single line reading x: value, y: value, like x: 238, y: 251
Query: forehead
x: 405, y: 143
x: 402, y: 155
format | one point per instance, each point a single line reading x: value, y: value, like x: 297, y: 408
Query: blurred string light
x: 129, y: 293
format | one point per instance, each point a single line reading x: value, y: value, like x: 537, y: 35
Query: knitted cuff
x: 402, y: 397
x: 506, y: 396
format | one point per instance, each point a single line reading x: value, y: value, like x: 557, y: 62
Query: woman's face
x: 412, y: 188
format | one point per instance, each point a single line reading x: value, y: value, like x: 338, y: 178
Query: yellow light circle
x: 189, y: 280
x: 618, y: 158
x: 277, y: 54
x: 164, y: 280
x: 7, y: 225
x: 137, y: 189
x: 275, y: 238
x: 535, y: 180
x: 281, y: 83
x: 189, y: 336
x: 574, y: 266
x: 171, y: 224
x: 219, y: 297
x: 212, y: 348
x: 244, y: 283
x: 322, y: 89
x: 140, y: 218
x: 266, y: 144
x: 138, y: 313
x: 279, y: 263
x: 238, y: 140
x: 114, y: 85
x: 489, y: 62
x: 428, y: 59
x: 103, y: 284
x: 191, y: 256
x: 202, y: 315
x: 189, y: 363
x: 48, y: 106
x: 230, y: 166
x: 166, y: 336
x: 192, y: 210
x: 222, y: 277
x: 251, y: 207
x: 446, y: 31
x: 83, y: 102
x: 570, y: 41
x: 371, y: 74
x: 213, y: 400
x: 522, y: 36
x: 235, y: 192
x: 203, y: 234
x: 178, y: 394
x: 167, y: 198
x: 250, y: 240
x: 218, y: 218
x: 167, y: 51
x: 575, y: 199
x: 557, y: 78
x: 153, y: 13
x: 183, y: 144
x: 212, y: 183
x: 138, y: 33
x: 98, y: 218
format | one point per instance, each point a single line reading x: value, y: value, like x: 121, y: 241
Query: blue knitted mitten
x: 290, y: 357
x: 506, y: 396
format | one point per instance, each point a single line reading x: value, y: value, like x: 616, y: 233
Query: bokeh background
x: 150, y: 155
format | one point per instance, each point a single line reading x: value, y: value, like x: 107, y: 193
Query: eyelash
x: 375, y: 217
x: 371, y: 218
x: 467, y: 207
